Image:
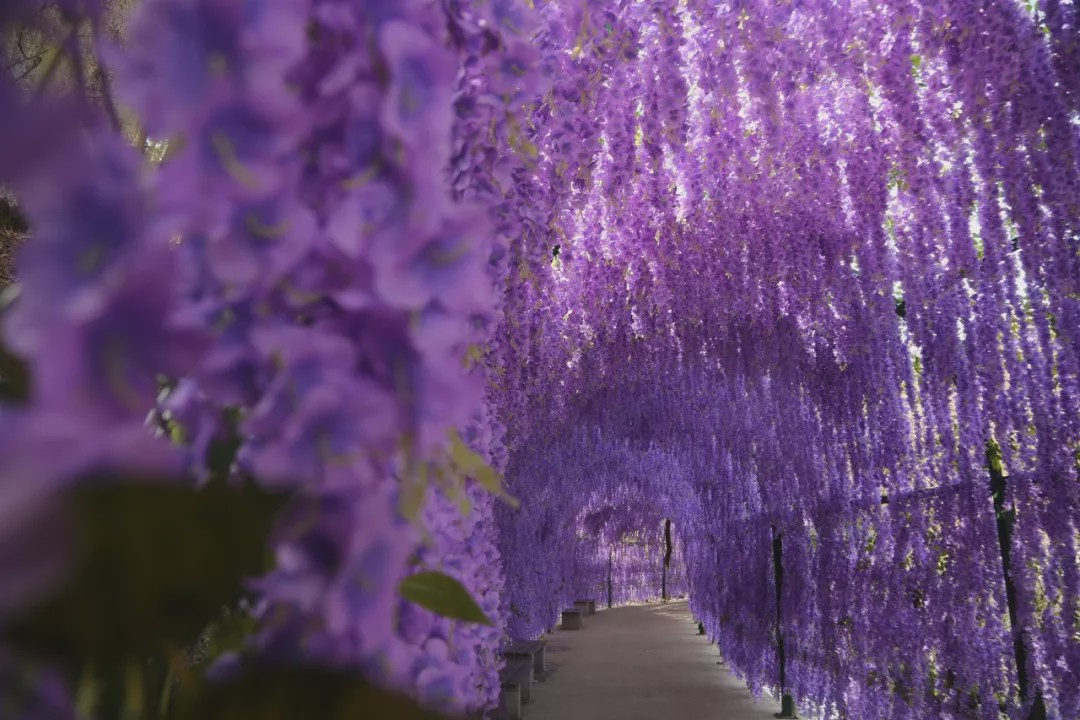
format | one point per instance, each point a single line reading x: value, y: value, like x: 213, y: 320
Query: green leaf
x: 156, y: 561
x: 473, y: 465
x: 442, y: 595
x: 301, y: 693
x: 227, y: 634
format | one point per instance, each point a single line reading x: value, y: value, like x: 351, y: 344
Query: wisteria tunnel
x: 353, y: 352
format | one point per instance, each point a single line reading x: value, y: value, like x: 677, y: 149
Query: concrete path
x: 643, y: 662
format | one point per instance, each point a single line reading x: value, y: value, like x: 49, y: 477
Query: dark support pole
x: 1006, y: 521
x: 610, y: 554
x: 667, y: 559
x: 787, y: 703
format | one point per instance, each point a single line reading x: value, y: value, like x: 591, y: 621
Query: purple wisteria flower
x: 110, y: 364
x: 446, y: 266
x: 88, y: 224
x: 328, y: 439
x: 418, y: 103
x: 340, y: 558
x: 185, y: 58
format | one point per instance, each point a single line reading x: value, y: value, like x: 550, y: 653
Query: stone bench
x: 589, y: 606
x: 516, y: 681
x: 572, y: 619
x: 533, y: 650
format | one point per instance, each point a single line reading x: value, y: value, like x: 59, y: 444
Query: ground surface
x: 644, y: 662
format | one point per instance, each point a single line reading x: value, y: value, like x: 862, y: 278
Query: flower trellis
x: 801, y: 278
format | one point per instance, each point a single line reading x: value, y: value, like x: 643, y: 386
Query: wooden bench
x: 533, y: 650
x: 572, y: 619
x: 589, y: 606
x: 516, y: 681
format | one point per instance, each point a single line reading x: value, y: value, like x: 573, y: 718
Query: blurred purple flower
x: 302, y: 359
x: 90, y: 223
x: 263, y: 241
x: 365, y: 595
x: 109, y: 365
x: 235, y: 156
x: 372, y: 216
x: 38, y: 137
x: 184, y: 57
x: 190, y: 409
x: 449, y: 267
x: 363, y: 131
x: 340, y: 557
x: 417, y: 110
x: 334, y: 430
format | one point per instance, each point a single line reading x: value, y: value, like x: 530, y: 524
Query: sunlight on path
x: 633, y: 663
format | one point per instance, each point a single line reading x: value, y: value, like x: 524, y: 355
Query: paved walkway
x: 643, y: 662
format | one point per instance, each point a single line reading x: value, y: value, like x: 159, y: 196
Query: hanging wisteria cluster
x: 814, y: 298
x: 301, y: 278
x: 801, y: 278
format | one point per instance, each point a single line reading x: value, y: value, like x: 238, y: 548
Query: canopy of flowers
x: 479, y: 294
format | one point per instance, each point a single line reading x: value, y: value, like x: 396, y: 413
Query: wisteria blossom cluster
x: 300, y: 277
x: 801, y: 278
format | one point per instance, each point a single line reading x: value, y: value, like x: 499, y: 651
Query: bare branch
x: 33, y: 65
